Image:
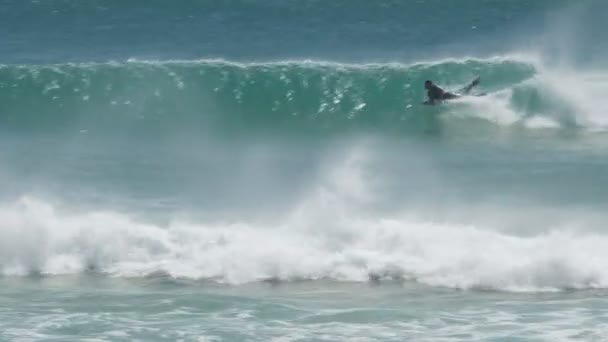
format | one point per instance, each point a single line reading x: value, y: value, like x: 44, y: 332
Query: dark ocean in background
x: 264, y: 170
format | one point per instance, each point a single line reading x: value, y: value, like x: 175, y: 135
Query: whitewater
x: 266, y: 171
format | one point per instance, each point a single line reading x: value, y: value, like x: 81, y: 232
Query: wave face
x: 146, y: 97
x: 299, y: 95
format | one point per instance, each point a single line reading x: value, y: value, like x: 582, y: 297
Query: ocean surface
x: 264, y: 170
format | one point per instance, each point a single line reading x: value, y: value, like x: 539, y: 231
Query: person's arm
x: 471, y: 85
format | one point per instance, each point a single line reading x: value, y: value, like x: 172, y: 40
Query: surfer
x: 437, y: 95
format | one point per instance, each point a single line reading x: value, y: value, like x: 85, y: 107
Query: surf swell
x: 143, y: 95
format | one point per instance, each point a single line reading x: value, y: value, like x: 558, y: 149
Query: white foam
x: 568, y: 98
x: 494, y: 108
x: 525, y: 58
x: 541, y: 122
x: 584, y: 92
x: 34, y: 236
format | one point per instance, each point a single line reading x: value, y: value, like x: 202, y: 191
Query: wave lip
x: 37, y: 238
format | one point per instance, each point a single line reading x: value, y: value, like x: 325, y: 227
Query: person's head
x: 428, y: 84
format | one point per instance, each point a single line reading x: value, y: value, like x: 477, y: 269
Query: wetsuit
x: 437, y: 94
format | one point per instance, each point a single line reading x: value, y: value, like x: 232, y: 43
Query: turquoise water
x: 265, y: 171
x: 153, y: 309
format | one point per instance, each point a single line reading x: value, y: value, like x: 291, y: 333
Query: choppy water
x: 265, y: 170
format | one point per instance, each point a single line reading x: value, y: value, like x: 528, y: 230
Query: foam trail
x: 494, y: 108
x: 35, y: 237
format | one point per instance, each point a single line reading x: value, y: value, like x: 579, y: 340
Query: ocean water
x: 264, y: 170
